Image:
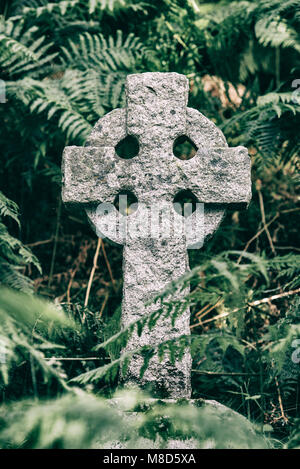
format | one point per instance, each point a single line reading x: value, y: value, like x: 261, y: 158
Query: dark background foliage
x: 63, y: 65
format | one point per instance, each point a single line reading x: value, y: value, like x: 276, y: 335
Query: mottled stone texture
x: 206, y: 440
x: 219, y: 176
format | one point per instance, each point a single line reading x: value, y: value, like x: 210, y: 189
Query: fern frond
x: 112, y: 7
x: 13, y: 254
x: 10, y: 48
x: 48, y: 97
x: 280, y: 102
x: 60, y: 7
x: 104, y: 55
x: 8, y: 208
x: 265, y: 124
x: 116, y: 6
x: 13, y: 250
x: 13, y: 278
x: 102, y: 65
x: 85, y: 91
x: 173, y: 348
x: 277, y: 33
x: 22, y: 316
x: 20, y: 51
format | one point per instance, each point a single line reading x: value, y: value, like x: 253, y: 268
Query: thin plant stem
x: 90, y: 282
x: 55, y: 242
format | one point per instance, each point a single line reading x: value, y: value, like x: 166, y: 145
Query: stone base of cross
x: 155, y: 236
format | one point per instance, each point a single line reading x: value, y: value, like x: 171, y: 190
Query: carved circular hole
x: 184, y: 148
x: 126, y: 202
x: 185, y: 203
x: 128, y: 147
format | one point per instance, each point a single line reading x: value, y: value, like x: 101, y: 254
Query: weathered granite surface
x: 221, y: 415
x: 219, y: 176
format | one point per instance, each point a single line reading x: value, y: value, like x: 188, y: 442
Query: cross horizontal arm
x: 218, y: 175
x: 93, y: 174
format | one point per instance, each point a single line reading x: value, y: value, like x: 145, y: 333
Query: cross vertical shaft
x: 148, y: 267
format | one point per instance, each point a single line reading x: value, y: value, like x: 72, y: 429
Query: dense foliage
x: 62, y: 66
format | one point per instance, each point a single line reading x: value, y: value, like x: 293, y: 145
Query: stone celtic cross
x: 156, y: 114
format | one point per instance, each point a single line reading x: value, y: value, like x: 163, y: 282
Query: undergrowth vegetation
x: 63, y: 65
